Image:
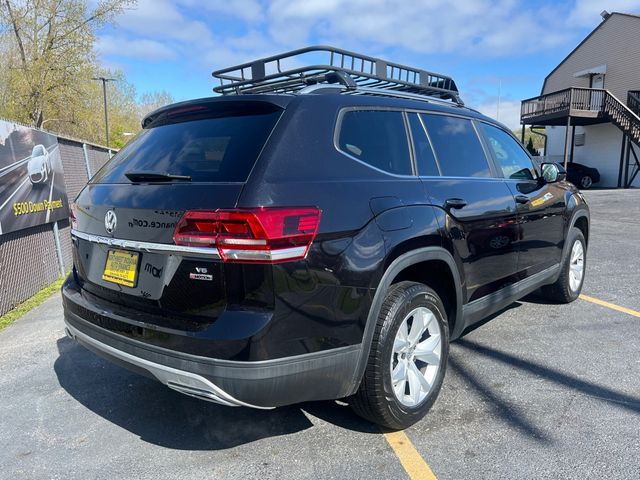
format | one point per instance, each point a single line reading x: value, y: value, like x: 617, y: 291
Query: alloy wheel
x: 576, y: 266
x: 415, y: 360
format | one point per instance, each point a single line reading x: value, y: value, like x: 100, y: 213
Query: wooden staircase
x: 627, y: 119
x: 622, y: 116
x: 633, y: 101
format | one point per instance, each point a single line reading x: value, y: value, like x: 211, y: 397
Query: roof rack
x: 288, y: 73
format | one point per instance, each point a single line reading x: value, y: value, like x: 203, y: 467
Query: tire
x: 376, y: 400
x: 586, y: 182
x: 565, y: 289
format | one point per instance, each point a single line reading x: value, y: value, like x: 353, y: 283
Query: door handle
x: 522, y: 199
x: 455, y: 203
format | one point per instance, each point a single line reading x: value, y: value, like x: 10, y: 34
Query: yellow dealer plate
x: 121, y: 267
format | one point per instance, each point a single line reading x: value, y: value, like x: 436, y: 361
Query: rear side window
x: 425, y: 160
x: 513, y: 161
x: 377, y: 138
x: 220, y: 149
x: 457, y: 146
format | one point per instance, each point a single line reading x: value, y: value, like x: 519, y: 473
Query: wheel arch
x: 581, y: 222
x: 410, y: 266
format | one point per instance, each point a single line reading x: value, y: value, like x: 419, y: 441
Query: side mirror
x: 553, y: 172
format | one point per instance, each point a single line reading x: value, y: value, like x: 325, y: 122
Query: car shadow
x: 163, y: 417
x: 565, y: 380
x: 539, y: 299
x: 486, y: 320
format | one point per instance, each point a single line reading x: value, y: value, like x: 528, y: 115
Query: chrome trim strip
x: 184, y: 382
x: 148, y: 246
x: 264, y: 255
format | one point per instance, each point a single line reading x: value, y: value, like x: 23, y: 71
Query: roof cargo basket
x: 351, y: 72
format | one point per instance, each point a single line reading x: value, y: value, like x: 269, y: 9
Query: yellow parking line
x: 413, y: 463
x: 612, y: 306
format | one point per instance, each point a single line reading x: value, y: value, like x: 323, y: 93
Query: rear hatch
x: 194, y: 156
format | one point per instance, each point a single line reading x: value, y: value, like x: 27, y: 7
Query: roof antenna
x: 604, y: 14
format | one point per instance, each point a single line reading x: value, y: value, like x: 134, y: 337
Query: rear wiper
x: 155, y: 177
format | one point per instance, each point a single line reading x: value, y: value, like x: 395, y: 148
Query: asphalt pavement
x: 539, y: 391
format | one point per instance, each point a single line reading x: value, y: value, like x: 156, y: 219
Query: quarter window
x: 513, y: 161
x: 457, y: 146
x: 377, y: 138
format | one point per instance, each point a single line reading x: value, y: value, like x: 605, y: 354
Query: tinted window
x: 220, y: 149
x: 515, y: 163
x: 376, y: 138
x: 425, y: 160
x: 457, y: 146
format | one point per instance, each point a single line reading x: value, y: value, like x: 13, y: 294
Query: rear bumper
x: 180, y: 380
x: 263, y: 384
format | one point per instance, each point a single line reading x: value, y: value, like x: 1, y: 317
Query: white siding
x: 601, y: 150
x: 616, y: 44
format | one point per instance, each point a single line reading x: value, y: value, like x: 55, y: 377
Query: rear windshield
x: 220, y: 149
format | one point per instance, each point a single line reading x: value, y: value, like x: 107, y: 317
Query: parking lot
x: 540, y: 391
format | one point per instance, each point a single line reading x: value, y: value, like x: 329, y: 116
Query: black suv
x: 315, y: 233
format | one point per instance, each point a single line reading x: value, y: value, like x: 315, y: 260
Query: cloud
x: 471, y: 27
x: 248, y: 10
x: 586, y: 13
x: 203, y: 32
x: 508, y: 113
x: 163, y: 20
x: 109, y: 45
x: 210, y: 35
x: 467, y: 28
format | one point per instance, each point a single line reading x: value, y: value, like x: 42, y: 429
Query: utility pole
x: 104, y: 81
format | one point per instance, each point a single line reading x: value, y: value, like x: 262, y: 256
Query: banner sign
x: 32, y: 189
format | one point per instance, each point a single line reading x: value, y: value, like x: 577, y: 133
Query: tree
x: 152, y: 101
x: 532, y: 150
x: 533, y: 135
x: 48, y: 47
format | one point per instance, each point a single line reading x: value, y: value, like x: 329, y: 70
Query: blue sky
x: 174, y: 45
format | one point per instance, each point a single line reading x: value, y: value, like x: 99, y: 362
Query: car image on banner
x: 32, y: 188
x: 39, y: 167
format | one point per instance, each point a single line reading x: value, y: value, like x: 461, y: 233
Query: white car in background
x: 39, y: 167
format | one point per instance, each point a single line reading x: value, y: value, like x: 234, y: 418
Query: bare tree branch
x: 16, y: 31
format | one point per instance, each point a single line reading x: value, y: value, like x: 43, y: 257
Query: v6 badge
x: 201, y: 274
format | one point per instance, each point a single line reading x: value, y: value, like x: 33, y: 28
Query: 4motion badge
x: 201, y: 273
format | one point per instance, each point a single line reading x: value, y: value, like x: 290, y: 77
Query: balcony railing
x: 575, y: 101
x: 586, y: 106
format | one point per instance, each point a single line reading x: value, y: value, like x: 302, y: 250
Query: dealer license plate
x: 121, y: 267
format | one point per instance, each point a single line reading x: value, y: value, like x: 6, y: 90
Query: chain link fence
x: 32, y: 258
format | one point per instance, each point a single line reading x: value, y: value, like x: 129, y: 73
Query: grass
x: 12, y: 315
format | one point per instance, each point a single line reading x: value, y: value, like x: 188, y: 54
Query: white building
x: 590, y: 103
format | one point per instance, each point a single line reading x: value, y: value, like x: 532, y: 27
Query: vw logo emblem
x: 110, y: 221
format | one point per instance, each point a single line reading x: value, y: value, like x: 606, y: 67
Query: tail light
x: 72, y: 216
x: 256, y: 235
